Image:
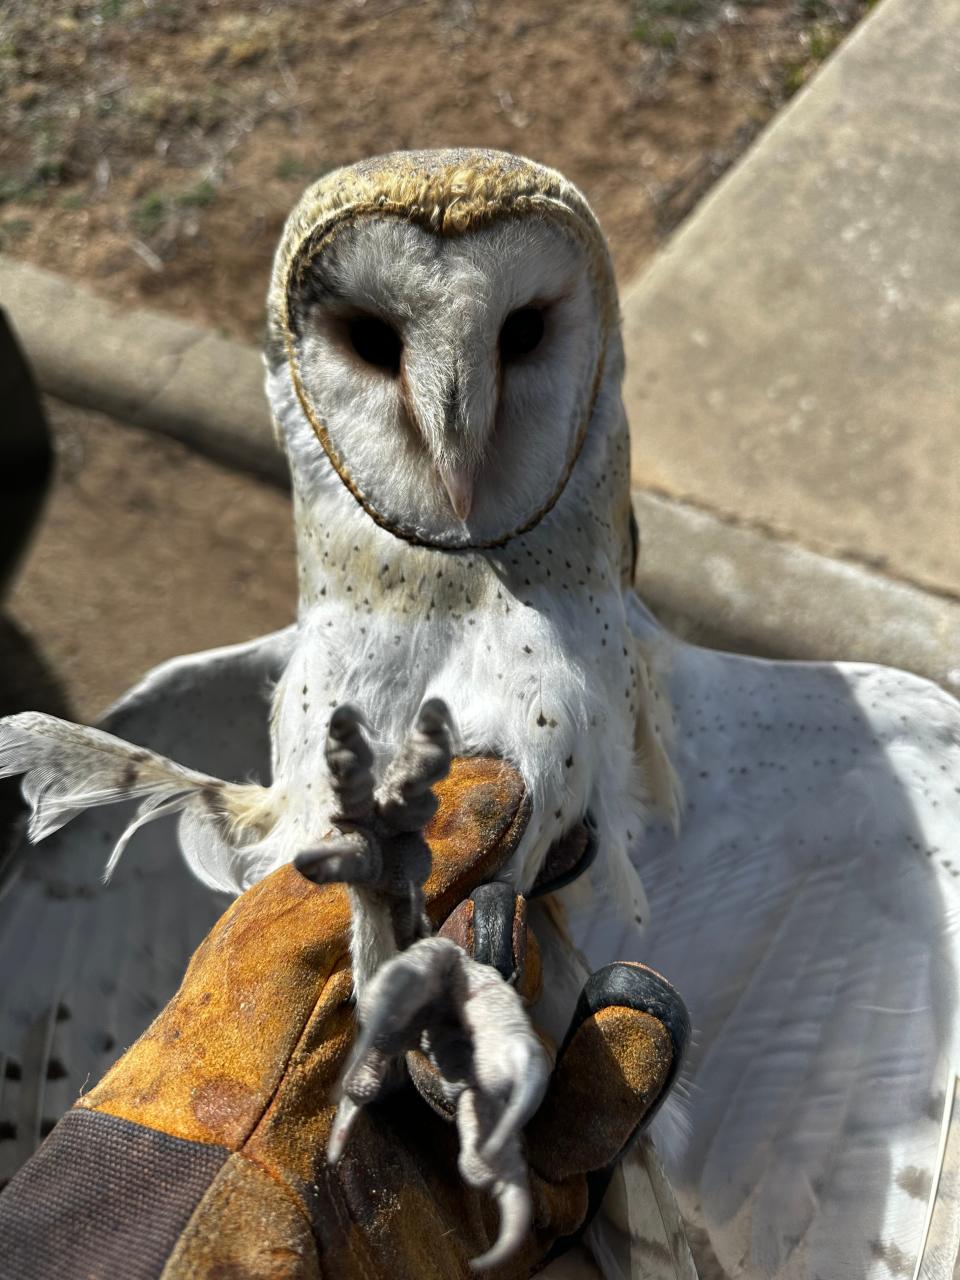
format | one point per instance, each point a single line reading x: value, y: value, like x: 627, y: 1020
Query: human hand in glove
x: 203, y: 1151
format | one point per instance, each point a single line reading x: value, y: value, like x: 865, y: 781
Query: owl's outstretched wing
x: 84, y: 965
x: 808, y: 913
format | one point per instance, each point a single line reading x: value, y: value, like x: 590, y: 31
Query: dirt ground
x: 153, y: 147
x: 118, y: 576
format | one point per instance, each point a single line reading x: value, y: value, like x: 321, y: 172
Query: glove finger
x: 621, y: 1054
x: 483, y: 813
x: 491, y: 926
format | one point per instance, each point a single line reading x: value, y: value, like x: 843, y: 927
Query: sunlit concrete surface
x: 794, y: 353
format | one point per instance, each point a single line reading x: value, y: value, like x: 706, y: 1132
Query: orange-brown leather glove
x: 202, y: 1152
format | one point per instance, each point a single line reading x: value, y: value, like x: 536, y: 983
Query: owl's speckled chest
x: 529, y: 647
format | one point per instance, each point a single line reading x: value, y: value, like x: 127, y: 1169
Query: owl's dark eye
x: 522, y: 333
x: 376, y: 342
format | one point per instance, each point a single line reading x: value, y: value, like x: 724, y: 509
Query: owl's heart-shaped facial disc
x: 449, y: 378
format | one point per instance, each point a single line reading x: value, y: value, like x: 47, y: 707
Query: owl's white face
x: 452, y: 375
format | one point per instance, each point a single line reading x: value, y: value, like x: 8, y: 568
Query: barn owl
x: 444, y: 367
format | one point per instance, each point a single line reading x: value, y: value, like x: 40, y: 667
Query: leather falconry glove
x: 203, y: 1151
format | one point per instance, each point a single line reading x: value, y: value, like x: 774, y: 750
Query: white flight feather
x: 68, y: 768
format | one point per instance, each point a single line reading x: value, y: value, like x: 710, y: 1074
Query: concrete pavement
x: 711, y: 578
x: 794, y: 352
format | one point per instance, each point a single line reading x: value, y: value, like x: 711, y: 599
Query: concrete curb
x: 142, y: 367
x: 715, y: 582
x: 733, y: 588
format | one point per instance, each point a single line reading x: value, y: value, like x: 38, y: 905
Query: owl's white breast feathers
x: 528, y: 645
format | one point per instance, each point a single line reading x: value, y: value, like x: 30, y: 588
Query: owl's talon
x: 405, y: 799
x: 516, y: 1212
x: 351, y: 858
x: 367, y: 851
x: 471, y: 1024
x: 346, y: 1114
x: 350, y: 763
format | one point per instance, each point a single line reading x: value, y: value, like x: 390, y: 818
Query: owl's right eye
x: 376, y: 342
x: 522, y: 333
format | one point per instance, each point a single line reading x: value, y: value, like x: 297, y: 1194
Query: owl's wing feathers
x: 85, y: 965
x: 808, y: 913
x: 68, y: 768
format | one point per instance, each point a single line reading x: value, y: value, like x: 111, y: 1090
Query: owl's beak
x: 458, y: 483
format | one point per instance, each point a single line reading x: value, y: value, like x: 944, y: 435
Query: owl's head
x: 445, y: 321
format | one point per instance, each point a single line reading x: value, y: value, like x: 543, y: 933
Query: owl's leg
x: 379, y: 850
x: 405, y: 803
